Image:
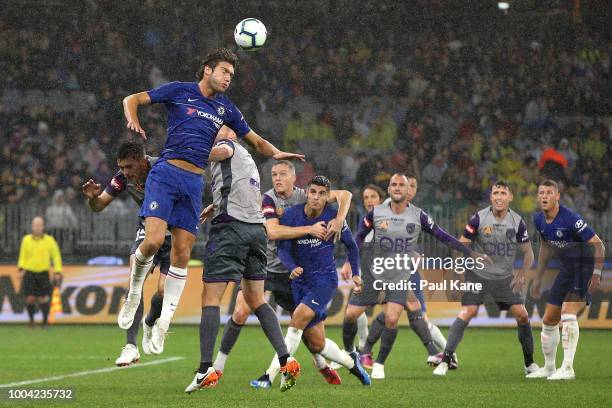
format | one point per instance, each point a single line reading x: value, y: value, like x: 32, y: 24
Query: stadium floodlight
x: 503, y: 5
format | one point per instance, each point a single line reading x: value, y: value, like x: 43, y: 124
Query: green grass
x: 490, y: 372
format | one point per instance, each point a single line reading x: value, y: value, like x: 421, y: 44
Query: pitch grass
x: 490, y: 373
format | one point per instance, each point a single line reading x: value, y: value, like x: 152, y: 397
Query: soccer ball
x: 250, y: 34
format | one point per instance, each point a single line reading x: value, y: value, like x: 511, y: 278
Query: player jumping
x: 173, y: 191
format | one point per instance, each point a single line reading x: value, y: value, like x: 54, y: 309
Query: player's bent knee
x: 521, y: 316
x: 240, y: 316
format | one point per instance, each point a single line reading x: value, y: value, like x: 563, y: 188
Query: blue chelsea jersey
x: 194, y: 121
x: 567, y: 233
x: 313, y: 254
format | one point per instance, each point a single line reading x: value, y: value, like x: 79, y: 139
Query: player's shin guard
x: 349, y: 331
x: 550, y: 341
x: 173, y: 289
x: 132, y: 332
x: 376, y: 329
x: 230, y: 336
x: 418, y: 324
x: 570, y: 334
x: 332, y: 352
x: 319, y: 361
x: 140, y: 268
x: 44, y: 308
x: 209, y: 328
x: 436, y: 336
x: 157, y: 302
x: 455, y: 334
x: 362, y: 330
x: 269, y: 324
x: 387, y: 339
x: 525, y: 337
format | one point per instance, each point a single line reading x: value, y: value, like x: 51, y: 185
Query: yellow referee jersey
x: 35, y: 254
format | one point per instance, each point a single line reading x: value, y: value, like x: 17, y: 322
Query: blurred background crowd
x: 459, y: 95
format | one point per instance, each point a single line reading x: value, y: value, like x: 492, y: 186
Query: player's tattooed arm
x: 96, y: 197
x: 545, y: 255
x: 130, y: 110
x: 267, y: 149
x: 600, y: 256
x: 334, y: 227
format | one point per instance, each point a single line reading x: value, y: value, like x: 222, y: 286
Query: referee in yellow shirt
x: 37, y: 250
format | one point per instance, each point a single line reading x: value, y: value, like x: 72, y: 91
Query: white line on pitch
x: 88, y: 372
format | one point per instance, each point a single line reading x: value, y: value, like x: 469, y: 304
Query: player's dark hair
x: 320, y: 181
x: 549, y: 183
x: 214, y: 57
x: 501, y: 183
x: 131, y: 150
x: 378, y: 190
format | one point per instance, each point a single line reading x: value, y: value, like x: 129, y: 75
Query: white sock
x: 292, y: 340
x: 436, y: 336
x: 570, y: 334
x: 550, y: 341
x: 319, y: 361
x: 139, y: 271
x: 332, y: 352
x: 173, y: 288
x: 219, y: 363
x: 362, y: 330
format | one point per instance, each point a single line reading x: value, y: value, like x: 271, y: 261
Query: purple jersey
x: 194, y: 121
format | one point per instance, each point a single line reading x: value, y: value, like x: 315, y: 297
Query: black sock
x: 418, y: 324
x: 209, y: 328
x: 157, y: 302
x: 204, y: 367
x: 525, y: 337
x: 31, y: 309
x: 269, y: 324
x: 349, y: 331
x: 386, y: 344
x: 230, y: 336
x: 376, y: 329
x: 283, y: 359
x: 132, y: 332
x: 44, y: 308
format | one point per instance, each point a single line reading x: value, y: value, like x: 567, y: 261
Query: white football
x: 250, y: 34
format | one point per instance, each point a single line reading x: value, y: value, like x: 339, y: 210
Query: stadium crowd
x: 456, y: 109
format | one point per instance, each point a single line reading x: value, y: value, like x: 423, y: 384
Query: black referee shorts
x: 36, y: 284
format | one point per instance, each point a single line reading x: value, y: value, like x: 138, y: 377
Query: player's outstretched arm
x: 267, y: 149
x: 447, y: 239
x: 130, y: 110
x: 545, y: 255
x: 334, y: 227
x: 600, y: 256
x: 96, y: 198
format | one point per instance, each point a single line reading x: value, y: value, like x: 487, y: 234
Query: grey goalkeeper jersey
x: 498, y: 238
x: 235, y: 186
x: 273, y: 207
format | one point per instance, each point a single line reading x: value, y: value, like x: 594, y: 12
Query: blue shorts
x: 571, y: 284
x: 174, y: 195
x: 416, y: 278
x: 315, y: 290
